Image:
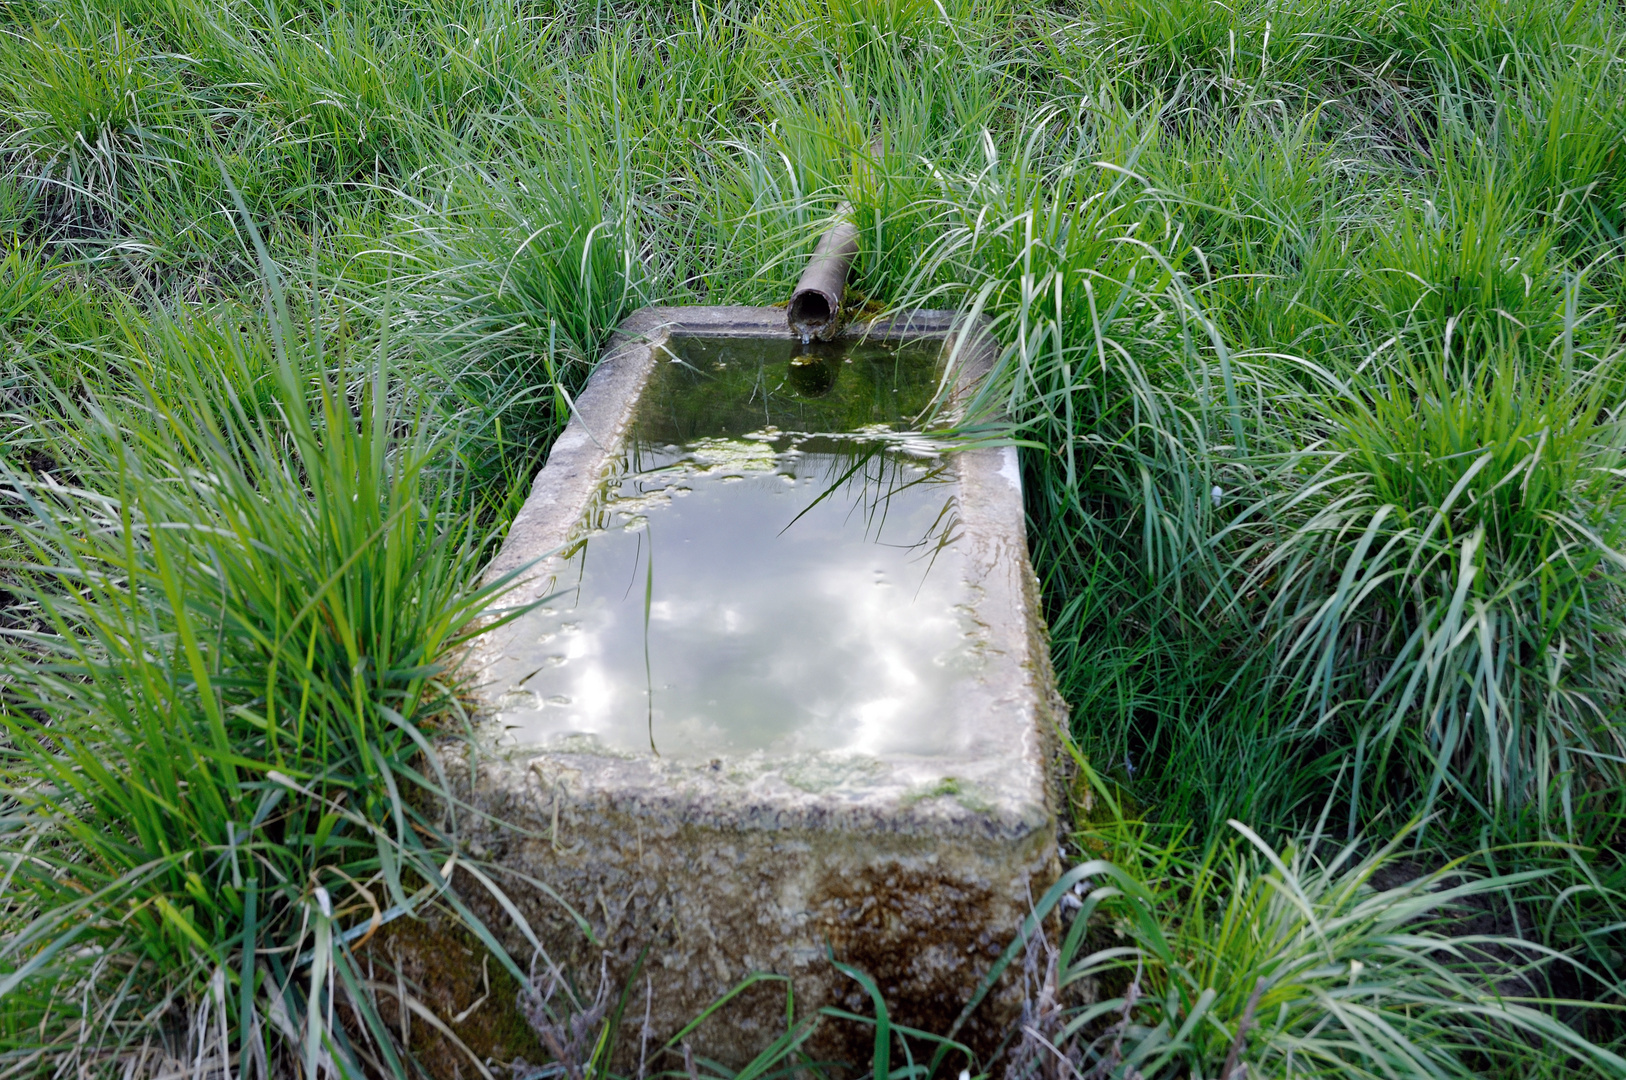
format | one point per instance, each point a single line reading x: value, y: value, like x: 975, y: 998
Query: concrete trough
x: 905, y: 832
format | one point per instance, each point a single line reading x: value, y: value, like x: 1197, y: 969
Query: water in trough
x: 772, y: 566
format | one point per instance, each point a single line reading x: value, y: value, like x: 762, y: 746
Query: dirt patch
x: 448, y: 971
x: 873, y: 920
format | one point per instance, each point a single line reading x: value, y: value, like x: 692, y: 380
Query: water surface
x: 772, y: 568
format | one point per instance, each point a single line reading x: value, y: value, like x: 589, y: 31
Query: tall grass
x: 235, y: 588
x: 1312, y: 959
x: 1310, y: 325
x: 1458, y: 564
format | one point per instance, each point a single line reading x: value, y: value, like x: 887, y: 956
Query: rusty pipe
x: 814, y: 310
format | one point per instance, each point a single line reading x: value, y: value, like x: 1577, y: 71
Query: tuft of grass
x: 88, y: 102
x: 1467, y: 261
x: 1451, y: 593
x: 231, y: 611
x: 1303, y: 959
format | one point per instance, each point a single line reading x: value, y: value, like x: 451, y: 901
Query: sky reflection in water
x: 763, y: 590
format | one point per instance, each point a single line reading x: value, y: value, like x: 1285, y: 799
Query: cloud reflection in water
x: 846, y: 630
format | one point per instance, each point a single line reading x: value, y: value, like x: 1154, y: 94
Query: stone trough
x: 786, y: 695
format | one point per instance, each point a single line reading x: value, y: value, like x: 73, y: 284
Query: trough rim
x: 1000, y: 789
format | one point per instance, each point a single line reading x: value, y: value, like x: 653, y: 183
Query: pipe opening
x: 814, y: 310
x: 810, y: 310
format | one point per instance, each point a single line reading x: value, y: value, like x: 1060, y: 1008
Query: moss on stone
x: 451, y: 973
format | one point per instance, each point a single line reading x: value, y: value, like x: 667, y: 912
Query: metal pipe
x: 814, y: 310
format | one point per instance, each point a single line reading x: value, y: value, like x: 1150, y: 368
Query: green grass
x: 1314, y: 959
x: 231, y: 592
x: 1311, y: 331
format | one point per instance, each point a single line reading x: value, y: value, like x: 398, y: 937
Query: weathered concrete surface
x: 916, y: 870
